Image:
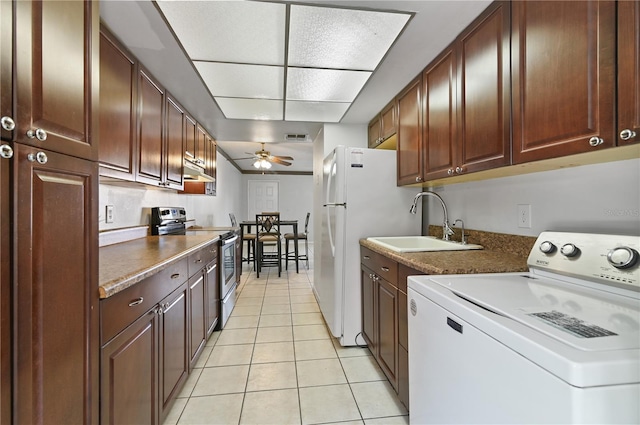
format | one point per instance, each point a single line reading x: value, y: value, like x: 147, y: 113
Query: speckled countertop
x: 501, y: 254
x: 127, y: 263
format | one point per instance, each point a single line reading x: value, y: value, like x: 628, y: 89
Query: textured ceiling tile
x: 250, y: 109
x: 324, y: 84
x: 233, y: 80
x: 315, y: 111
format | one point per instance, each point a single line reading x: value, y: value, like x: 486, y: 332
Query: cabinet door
x: 483, y: 92
x: 7, y: 112
x: 190, y: 137
x: 197, y: 306
x: 173, y: 348
x: 628, y: 71
x: 118, y: 80
x: 563, y: 58
x: 410, y: 147
x: 175, y: 145
x: 57, y: 84
x: 201, y: 146
x: 388, y: 330
x: 213, y: 296
x: 57, y: 323
x: 130, y: 374
x: 369, y: 315
x: 5, y: 289
x: 212, y: 157
x: 403, y: 376
x: 388, y: 120
x: 150, y: 130
x: 440, y: 113
x: 374, y: 132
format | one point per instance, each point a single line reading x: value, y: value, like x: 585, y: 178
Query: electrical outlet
x: 109, y: 214
x: 524, y: 216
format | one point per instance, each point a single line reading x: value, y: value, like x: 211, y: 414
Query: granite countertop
x: 454, y: 262
x: 127, y: 263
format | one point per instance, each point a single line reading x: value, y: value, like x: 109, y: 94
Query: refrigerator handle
x: 332, y: 170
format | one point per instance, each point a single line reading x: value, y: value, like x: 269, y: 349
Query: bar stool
x: 301, y: 236
x: 250, y: 239
x: 268, y: 233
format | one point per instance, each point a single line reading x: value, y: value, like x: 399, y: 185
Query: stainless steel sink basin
x: 420, y: 244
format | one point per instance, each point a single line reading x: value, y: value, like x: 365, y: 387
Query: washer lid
x: 581, y: 317
x: 584, y: 336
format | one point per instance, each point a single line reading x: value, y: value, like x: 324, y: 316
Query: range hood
x: 194, y: 172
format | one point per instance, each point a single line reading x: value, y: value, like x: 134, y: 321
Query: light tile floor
x: 276, y: 363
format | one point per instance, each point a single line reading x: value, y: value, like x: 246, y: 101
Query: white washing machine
x: 559, y: 344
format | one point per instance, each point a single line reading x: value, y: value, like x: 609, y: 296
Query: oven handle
x: 229, y: 240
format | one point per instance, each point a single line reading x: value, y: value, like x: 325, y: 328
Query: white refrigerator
x: 361, y: 200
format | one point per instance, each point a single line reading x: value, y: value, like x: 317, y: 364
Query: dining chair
x: 290, y: 256
x: 249, y: 238
x: 268, y: 233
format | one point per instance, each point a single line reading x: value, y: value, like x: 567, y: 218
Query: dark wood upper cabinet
x: 628, y: 72
x: 56, y: 324
x: 56, y: 78
x: 150, y: 129
x: 440, y: 114
x: 175, y: 145
x: 483, y: 91
x: 563, y: 82
x: 118, y: 109
x: 410, y: 147
x: 467, y: 99
x: 384, y: 125
x: 7, y: 112
x: 374, y: 132
x: 191, y: 128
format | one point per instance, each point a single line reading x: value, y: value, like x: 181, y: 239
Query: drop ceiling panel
x: 250, y: 109
x: 315, y: 111
x: 324, y: 84
x: 234, y: 80
x: 229, y: 31
x: 322, y: 37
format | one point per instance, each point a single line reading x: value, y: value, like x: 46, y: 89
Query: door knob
x: 40, y: 157
x: 7, y: 123
x: 627, y: 134
x: 595, y: 141
x: 38, y: 133
x: 6, y: 151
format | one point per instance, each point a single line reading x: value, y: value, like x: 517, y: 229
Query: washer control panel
x: 609, y: 259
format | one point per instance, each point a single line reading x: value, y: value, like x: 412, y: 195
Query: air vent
x: 298, y: 138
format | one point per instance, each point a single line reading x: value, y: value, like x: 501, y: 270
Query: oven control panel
x: 609, y: 259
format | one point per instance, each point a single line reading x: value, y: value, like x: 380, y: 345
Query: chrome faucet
x: 446, y: 230
x: 463, y: 238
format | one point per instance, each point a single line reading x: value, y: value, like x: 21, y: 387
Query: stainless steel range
x: 167, y: 221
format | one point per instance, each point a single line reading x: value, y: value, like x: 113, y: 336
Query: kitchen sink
x: 420, y: 244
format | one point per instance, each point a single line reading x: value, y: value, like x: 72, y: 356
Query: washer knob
x: 569, y: 250
x: 547, y: 247
x: 622, y: 257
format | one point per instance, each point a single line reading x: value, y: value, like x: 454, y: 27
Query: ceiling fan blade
x: 279, y: 161
x: 238, y: 159
x: 286, y: 158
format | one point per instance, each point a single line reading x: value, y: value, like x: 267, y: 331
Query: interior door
x: 263, y: 196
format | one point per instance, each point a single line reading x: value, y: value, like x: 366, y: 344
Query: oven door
x: 228, y: 262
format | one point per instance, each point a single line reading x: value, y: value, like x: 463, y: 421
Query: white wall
x: 295, y: 197
x: 353, y: 135
x: 600, y: 198
x: 132, y: 203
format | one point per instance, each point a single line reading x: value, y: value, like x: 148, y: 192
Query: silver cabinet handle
x: 627, y: 134
x: 418, y: 179
x: 7, y: 123
x: 175, y: 275
x: 366, y: 257
x: 595, y: 141
x: 450, y: 171
x: 136, y: 302
x: 385, y: 269
x: 6, y: 151
x: 38, y: 133
x: 41, y: 157
x: 199, y: 260
x: 459, y: 170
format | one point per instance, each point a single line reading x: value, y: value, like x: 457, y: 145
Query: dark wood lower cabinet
x: 212, y: 296
x: 5, y: 290
x: 56, y: 322
x: 129, y: 374
x: 384, y: 317
x: 197, y: 294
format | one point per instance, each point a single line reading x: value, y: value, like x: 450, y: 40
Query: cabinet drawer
x: 202, y: 257
x: 123, y: 308
x: 380, y: 265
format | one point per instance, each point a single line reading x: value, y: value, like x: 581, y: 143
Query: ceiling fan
x: 263, y: 158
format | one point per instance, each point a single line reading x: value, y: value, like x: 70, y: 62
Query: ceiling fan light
x: 266, y: 164
x: 257, y: 164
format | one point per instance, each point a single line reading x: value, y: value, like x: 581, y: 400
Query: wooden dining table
x: 248, y: 224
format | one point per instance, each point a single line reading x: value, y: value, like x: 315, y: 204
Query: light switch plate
x: 109, y: 214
